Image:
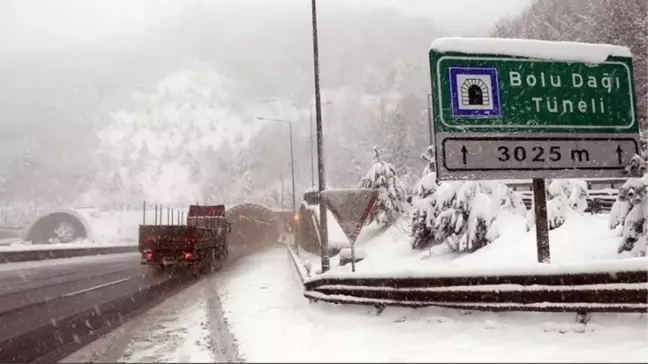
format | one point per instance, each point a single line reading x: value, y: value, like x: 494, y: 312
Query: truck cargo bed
x: 177, y: 237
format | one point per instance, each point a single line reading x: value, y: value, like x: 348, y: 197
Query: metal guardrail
x: 598, y: 201
x: 12, y: 228
x: 44, y: 254
x: 593, y: 184
x: 620, y: 291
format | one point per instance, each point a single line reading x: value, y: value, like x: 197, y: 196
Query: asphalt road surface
x: 40, y: 293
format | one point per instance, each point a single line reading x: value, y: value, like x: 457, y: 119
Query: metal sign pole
x: 320, y: 145
x: 542, y: 226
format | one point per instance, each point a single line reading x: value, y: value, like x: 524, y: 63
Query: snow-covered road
x: 271, y: 321
x: 187, y: 328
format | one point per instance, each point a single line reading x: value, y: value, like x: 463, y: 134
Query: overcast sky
x: 29, y: 24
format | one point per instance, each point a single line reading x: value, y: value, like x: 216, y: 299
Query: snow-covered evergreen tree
x: 622, y: 205
x: 390, y: 205
x: 630, y: 212
x: 464, y: 214
x: 563, y: 195
x: 422, y: 199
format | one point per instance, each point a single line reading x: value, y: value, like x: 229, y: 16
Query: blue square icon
x: 474, y: 92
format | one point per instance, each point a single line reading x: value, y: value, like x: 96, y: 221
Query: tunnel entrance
x: 57, y: 227
x: 254, y: 228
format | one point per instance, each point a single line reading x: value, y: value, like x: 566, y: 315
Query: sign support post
x: 542, y: 226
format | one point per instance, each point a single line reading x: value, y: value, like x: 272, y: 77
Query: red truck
x: 200, y: 244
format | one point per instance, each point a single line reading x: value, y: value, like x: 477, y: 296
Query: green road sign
x: 507, y: 94
x: 487, y: 105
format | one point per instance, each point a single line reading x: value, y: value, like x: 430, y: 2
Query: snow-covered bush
x: 390, y: 205
x: 423, y: 198
x: 563, y: 195
x: 461, y: 214
x: 630, y: 212
x: 622, y: 206
x: 465, y: 212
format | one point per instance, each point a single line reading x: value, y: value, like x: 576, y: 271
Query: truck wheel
x: 157, y: 270
x: 201, y: 269
x: 216, y: 261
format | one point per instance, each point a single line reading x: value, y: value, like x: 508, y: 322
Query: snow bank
x: 539, y: 49
x: 21, y: 245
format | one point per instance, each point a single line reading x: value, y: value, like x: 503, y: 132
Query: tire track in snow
x: 225, y: 348
x: 187, y: 327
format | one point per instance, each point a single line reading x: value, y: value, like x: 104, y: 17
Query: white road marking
x: 95, y: 287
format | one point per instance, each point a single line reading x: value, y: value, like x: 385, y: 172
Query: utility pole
x: 320, y: 144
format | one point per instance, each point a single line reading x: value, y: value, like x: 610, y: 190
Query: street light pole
x: 320, y: 145
x: 292, y: 155
x: 292, y: 172
x: 292, y: 165
x: 310, y: 147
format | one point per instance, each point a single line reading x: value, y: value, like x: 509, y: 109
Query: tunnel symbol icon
x: 474, y: 92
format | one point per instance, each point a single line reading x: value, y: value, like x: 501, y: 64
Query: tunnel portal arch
x: 254, y: 228
x: 64, y: 225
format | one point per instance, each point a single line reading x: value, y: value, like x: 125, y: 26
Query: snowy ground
x: 582, y: 240
x: 272, y: 322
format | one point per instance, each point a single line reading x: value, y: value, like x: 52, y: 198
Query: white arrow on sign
x: 351, y: 208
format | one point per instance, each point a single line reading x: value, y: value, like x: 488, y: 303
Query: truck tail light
x: 148, y: 254
x: 188, y: 255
